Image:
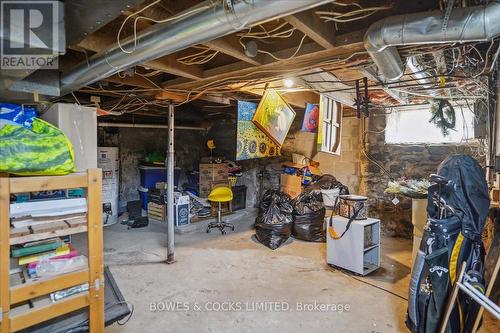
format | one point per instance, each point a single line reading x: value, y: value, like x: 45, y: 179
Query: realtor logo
x: 32, y: 34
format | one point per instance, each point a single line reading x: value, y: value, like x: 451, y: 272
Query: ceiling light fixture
x: 288, y: 83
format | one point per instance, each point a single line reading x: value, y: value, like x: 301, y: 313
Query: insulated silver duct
x: 481, y: 23
x: 209, y: 22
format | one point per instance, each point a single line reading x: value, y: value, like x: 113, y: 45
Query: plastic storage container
x: 152, y: 175
x: 330, y: 197
x: 143, y: 195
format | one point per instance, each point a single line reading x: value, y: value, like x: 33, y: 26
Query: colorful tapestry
x: 274, y: 116
x: 251, y: 141
x: 311, y: 118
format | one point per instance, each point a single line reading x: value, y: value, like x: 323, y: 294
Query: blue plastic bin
x: 152, y: 175
x: 143, y: 195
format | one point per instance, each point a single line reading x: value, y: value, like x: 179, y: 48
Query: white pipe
x: 127, y: 125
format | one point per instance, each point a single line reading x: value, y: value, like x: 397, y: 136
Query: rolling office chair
x: 220, y: 194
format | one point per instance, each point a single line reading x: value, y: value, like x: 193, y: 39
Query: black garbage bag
x: 327, y: 182
x: 309, y: 216
x: 273, y: 225
x: 308, y: 202
x: 310, y: 226
x: 273, y: 235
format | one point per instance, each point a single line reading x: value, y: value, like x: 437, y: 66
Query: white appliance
x: 79, y: 123
x: 359, y: 249
x: 108, y: 159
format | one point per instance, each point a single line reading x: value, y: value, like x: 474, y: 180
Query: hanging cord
x: 368, y: 156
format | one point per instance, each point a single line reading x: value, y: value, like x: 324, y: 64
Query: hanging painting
x: 311, y: 116
x: 274, y: 116
x: 251, y: 141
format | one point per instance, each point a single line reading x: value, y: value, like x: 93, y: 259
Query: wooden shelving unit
x: 94, y: 298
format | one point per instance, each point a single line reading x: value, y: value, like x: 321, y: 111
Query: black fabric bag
x: 449, y: 240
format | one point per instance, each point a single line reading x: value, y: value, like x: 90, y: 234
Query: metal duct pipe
x: 469, y: 24
x: 202, y: 25
x: 421, y: 74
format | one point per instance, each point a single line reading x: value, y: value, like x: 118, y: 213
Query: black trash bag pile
x: 309, y: 214
x: 328, y: 182
x: 273, y: 225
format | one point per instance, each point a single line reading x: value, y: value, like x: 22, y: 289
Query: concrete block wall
x: 346, y: 166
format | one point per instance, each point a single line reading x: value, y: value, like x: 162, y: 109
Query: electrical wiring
x: 291, y: 56
x: 172, y: 18
x: 354, y: 15
x: 367, y: 154
x: 198, y: 58
x: 362, y: 280
x: 153, y: 73
x: 76, y: 99
x: 264, y: 35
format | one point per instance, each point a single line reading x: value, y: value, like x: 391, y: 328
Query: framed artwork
x: 311, y: 117
x: 251, y: 142
x: 274, y: 116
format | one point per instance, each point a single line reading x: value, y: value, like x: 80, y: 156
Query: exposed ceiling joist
x: 331, y: 82
x: 230, y: 46
x: 101, y: 42
x: 241, y: 70
x: 313, y: 27
x: 135, y: 81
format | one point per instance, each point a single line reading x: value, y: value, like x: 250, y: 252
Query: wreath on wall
x: 443, y: 116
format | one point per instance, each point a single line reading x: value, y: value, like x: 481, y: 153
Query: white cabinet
x: 79, y: 123
x: 359, y: 249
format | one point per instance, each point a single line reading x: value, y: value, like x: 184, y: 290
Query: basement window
x: 330, y: 126
x: 413, y: 126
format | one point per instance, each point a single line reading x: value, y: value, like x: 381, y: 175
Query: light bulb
x: 288, y: 83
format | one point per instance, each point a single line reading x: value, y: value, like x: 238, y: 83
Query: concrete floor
x: 214, y: 270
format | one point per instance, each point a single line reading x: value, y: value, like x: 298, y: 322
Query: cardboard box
x: 226, y: 208
x: 211, y: 175
x: 314, y: 170
x: 206, y: 188
x: 213, y: 172
x: 182, y: 210
x: 291, y: 185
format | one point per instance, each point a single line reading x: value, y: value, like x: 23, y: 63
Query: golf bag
x: 457, y: 208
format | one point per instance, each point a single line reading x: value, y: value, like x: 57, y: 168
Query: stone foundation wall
x: 135, y: 142
x: 410, y: 161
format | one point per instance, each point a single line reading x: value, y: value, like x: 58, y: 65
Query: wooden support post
x: 95, y: 246
x: 4, y: 253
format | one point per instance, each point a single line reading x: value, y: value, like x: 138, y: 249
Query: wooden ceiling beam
x: 313, y: 27
x: 101, y: 43
x: 240, y: 71
x: 230, y: 46
x: 134, y: 81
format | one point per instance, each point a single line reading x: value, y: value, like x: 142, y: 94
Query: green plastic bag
x: 42, y: 151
